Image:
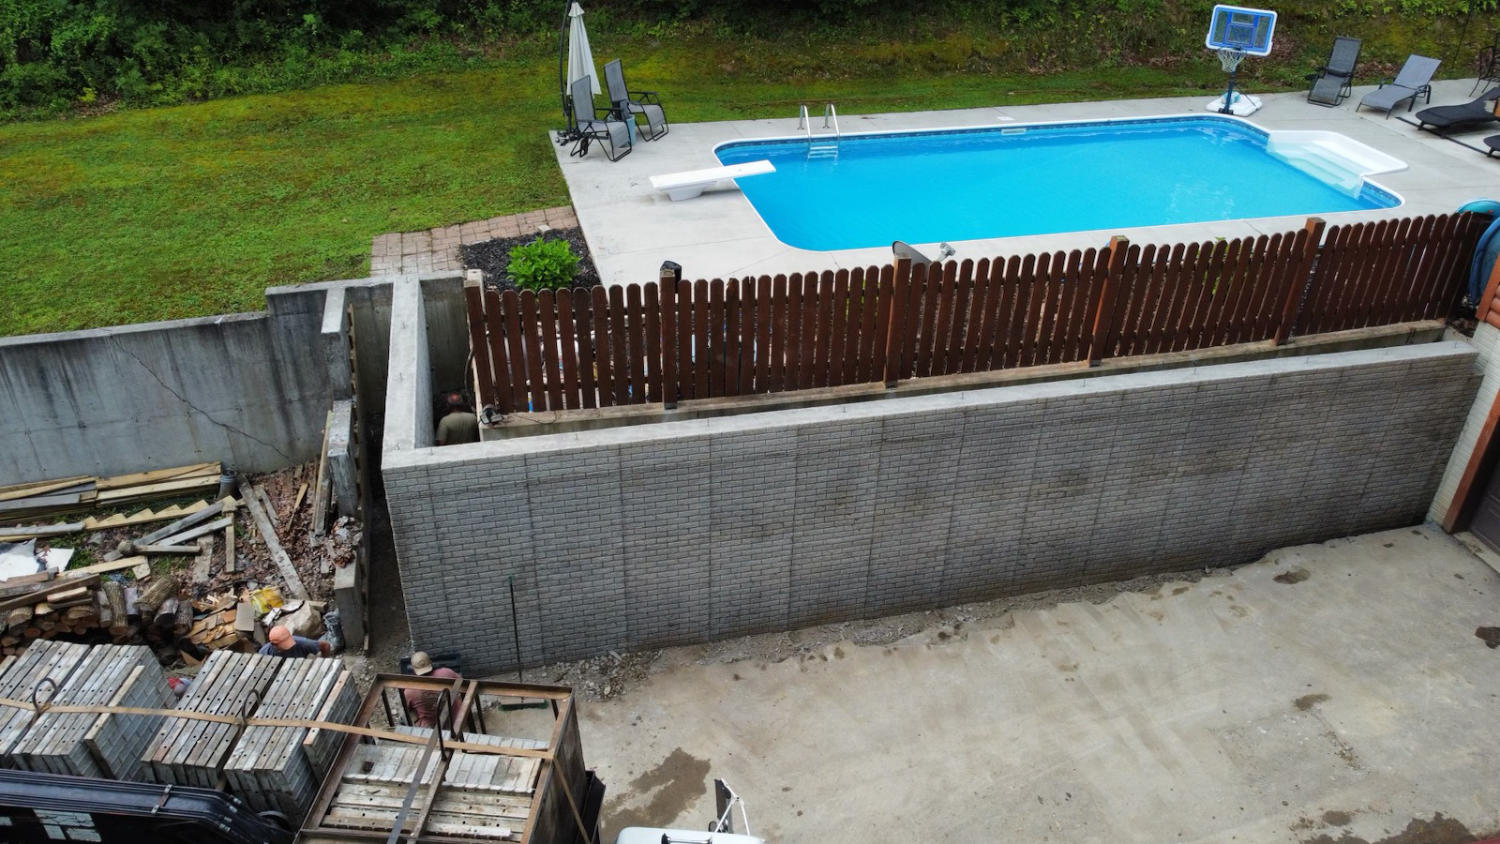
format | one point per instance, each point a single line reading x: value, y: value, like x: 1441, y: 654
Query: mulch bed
x: 493, y: 256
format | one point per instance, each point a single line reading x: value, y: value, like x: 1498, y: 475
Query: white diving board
x: 690, y: 183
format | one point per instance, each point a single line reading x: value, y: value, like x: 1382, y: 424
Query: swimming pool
x: 969, y: 184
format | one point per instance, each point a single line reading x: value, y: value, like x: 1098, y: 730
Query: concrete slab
x: 1328, y: 691
x: 631, y: 229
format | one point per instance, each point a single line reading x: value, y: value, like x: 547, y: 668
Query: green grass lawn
x: 194, y: 210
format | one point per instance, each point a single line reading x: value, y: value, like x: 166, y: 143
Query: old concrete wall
x: 249, y: 390
x: 244, y: 389
x: 687, y: 531
x: 1486, y: 342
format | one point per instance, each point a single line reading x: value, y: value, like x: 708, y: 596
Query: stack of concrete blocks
x: 320, y: 746
x: 269, y: 767
x: 192, y: 751
x: 106, y: 745
x: 34, y: 674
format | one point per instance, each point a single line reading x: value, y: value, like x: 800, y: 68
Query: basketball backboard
x: 1240, y: 28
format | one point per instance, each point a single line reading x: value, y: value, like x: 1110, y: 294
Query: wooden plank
x: 495, y: 308
x: 822, y: 357
x: 515, y: 350
x: 635, y: 341
x: 161, y: 488
x: 808, y: 337
x: 202, y: 471
x: 732, y: 333
x: 603, y: 348
x: 667, y: 287
x: 763, y: 361
x: 479, y: 346
x: 780, y: 329
x: 996, y: 320
x: 583, y: 322
x: 1456, y: 244
x: 869, y: 354
x: 1222, y: 293
x: 687, y: 376
x: 653, y: 354
x: 1037, y: 313
x: 547, y: 304
x: 619, y: 347
x: 848, y: 309
x: 792, y: 362
x: 531, y: 346
x: 572, y: 395
x: 833, y: 316
x: 273, y: 545
x: 1423, y: 251
x: 714, y: 335
x: 41, y: 488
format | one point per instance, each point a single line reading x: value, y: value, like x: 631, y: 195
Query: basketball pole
x: 1228, y: 107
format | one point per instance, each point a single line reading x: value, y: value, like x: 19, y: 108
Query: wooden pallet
x: 186, y: 752
x: 103, y: 745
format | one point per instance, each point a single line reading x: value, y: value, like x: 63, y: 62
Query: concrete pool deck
x: 631, y: 229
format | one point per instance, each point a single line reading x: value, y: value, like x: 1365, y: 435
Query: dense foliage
x: 543, y: 264
x: 61, y: 54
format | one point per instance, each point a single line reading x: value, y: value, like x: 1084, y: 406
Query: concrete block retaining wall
x: 687, y: 531
x: 249, y: 390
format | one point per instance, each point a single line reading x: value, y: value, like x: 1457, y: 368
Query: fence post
x: 894, y: 335
x: 1104, y: 316
x: 1486, y: 304
x: 1297, y: 285
x: 666, y: 285
x: 479, y: 345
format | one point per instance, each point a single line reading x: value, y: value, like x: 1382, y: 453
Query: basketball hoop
x: 1235, y: 32
x: 1230, y: 58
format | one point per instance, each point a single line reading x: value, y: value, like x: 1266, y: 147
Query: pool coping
x: 631, y: 229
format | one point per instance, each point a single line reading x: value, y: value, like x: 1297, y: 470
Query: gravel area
x: 493, y: 256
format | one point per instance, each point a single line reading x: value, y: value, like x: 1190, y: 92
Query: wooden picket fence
x: 673, y: 340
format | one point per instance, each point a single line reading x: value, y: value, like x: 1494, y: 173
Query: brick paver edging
x: 436, y: 250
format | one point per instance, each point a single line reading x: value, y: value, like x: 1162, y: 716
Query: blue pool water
x: 967, y: 184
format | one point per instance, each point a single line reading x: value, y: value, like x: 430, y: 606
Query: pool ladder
x: 820, y: 145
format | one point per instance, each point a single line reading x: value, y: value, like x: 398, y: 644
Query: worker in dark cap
x: 459, y: 424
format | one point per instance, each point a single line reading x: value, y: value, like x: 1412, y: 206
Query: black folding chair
x: 628, y: 104
x: 586, y: 125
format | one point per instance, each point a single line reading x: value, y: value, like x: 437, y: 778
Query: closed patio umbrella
x: 580, y: 55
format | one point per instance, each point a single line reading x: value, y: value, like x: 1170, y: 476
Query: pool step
x: 1331, y: 158
x: 822, y: 151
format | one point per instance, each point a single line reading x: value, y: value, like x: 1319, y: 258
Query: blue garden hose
x: 1487, y: 249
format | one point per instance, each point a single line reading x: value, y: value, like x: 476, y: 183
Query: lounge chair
x: 1414, y: 80
x: 1334, y: 81
x: 586, y: 126
x: 627, y: 103
x: 1493, y: 142
x: 1469, y: 115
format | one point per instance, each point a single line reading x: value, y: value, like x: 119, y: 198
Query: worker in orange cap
x: 283, y: 643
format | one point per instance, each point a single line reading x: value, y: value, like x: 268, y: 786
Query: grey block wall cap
x: 789, y: 420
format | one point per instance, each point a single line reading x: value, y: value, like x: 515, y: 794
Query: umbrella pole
x: 562, y: 52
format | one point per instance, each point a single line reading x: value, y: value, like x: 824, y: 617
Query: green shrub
x: 542, y: 265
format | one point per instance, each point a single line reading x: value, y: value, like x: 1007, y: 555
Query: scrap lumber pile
x: 278, y: 768
x: 191, y: 752
x: 19, y: 502
x: 106, y: 745
x: 52, y: 605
